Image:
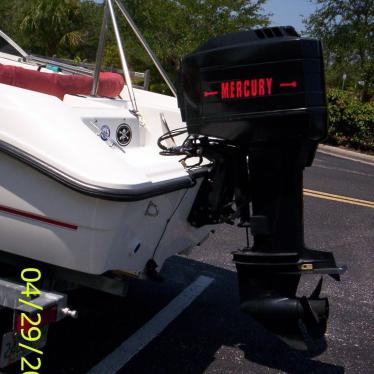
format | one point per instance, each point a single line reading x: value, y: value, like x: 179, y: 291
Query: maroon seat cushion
x: 59, y: 85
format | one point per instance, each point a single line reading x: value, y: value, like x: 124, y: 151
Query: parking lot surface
x: 191, y: 323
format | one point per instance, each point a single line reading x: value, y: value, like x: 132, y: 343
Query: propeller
x: 315, y: 312
x: 282, y: 315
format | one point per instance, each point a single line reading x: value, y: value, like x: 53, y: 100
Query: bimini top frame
x: 109, y: 13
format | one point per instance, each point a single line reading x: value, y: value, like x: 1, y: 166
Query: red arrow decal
x: 210, y: 93
x: 288, y: 84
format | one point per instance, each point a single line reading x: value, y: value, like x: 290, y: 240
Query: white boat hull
x: 49, y: 222
x: 73, y: 198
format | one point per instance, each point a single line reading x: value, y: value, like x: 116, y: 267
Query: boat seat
x: 59, y: 85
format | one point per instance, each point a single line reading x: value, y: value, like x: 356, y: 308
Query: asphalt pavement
x: 189, y: 324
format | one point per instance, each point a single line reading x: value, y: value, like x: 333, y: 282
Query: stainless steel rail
x: 100, y: 51
x: 84, y: 68
x: 109, y: 11
x: 64, y: 66
x: 13, y: 44
x: 146, y: 46
x: 122, y: 56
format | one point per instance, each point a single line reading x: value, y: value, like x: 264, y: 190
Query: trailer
x: 25, y: 319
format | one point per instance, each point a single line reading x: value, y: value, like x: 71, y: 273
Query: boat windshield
x: 10, y: 47
x: 5, y: 47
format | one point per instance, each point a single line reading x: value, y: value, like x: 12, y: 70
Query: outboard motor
x: 255, y: 106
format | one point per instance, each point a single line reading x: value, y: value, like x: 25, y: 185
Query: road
x: 208, y: 334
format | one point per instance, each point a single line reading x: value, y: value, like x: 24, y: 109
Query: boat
x: 99, y: 176
x: 83, y: 185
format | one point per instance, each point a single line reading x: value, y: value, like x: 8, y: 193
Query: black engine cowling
x: 255, y: 106
x: 260, y: 86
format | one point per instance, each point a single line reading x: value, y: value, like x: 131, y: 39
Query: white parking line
x: 129, y: 348
x: 343, y: 170
x: 345, y: 157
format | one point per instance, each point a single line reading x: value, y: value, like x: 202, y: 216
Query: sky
x: 285, y: 12
x: 289, y: 12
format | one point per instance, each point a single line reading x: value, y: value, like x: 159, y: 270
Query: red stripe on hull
x: 37, y: 217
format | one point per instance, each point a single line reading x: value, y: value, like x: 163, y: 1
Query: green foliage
x: 92, y: 14
x: 70, y: 28
x: 351, y: 121
x: 11, y: 15
x: 52, y: 25
x: 346, y: 28
x: 175, y: 28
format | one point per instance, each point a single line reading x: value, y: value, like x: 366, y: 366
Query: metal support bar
x: 10, y: 293
x: 146, y: 46
x: 147, y: 80
x: 100, y: 51
x: 122, y: 56
x: 13, y: 44
x: 65, y: 66
x: 81, y: 69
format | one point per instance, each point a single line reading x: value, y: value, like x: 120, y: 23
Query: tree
x: 10, y: 16
x: 53, y: 24
x: 92, y: 15
x: 346, y: 28
x: 174, y: 28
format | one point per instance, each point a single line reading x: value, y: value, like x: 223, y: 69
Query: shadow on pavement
x: 212, y: 335
x: 193, y: 343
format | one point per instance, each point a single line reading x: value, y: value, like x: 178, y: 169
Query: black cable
x: 169, y: 135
